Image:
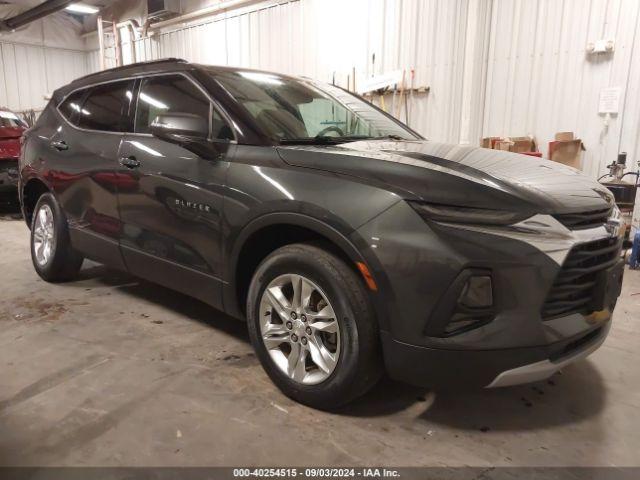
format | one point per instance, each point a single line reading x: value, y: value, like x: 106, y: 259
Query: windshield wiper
x: 308, y: 141
x: 389, y: 137
x: 329, y: 140
x: 322, y: 140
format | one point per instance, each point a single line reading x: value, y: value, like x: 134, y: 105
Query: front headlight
x: 468, y: 215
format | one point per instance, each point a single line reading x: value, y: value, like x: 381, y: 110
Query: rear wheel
x: 51, y: 253
x: 312, y: 326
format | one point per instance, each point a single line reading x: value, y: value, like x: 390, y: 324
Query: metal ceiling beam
x: 45, y: 8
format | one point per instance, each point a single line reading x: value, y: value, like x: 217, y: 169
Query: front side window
x: 220, y: 130
x: 170, y: 94
x: 291, y: 110
x: 106, y: 107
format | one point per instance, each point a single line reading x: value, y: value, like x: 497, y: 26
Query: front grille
x: 573, y: 288
x: 583, y: 220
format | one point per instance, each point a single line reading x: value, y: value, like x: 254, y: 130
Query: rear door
x: 83, y: 153
x: 171, y: 208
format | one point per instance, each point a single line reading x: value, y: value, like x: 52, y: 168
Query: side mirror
x: 180, y: 128
x: 190, y: 132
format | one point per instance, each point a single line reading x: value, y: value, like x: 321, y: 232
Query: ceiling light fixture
x: 82, y: 8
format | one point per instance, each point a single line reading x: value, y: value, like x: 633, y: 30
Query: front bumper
x: 472, y: 369
x: 418, y: 266
x: 8, y: 175
x: 534, y: 372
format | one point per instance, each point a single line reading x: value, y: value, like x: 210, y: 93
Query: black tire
x: 64, y: 262
x: 359, y: 364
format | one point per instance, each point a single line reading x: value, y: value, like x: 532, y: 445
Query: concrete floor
x: 109, y: 370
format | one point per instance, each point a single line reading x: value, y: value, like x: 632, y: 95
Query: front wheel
x: 312, y: 326
x: 53, y: 257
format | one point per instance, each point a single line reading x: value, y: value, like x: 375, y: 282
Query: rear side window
x: 168, y: 94
x: 70, y: 108
x: 106, y: 107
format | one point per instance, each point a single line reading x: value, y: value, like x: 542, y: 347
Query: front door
x: 171, y: 205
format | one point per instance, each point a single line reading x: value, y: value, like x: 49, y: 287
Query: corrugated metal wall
x: 540, y: 80
x: 29, y: 72
x: 323, y: 38
x: 38, y: 58
x: 494, y: 67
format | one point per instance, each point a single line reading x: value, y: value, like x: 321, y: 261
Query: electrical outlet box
x: 604, y: 45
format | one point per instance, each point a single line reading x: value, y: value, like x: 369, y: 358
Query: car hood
x: 10, y: 141
x: 457, y: 175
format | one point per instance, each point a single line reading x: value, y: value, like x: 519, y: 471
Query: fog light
x: 477, y: 293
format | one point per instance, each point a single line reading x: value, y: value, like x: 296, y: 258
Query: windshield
x: 292, y: 111
x: 10, y: 119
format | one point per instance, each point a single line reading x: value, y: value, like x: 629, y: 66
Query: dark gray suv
x: 348, y: 242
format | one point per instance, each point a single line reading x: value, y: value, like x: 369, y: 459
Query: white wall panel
x: 323, y: 38
x: 541, y: 81
x: 29, y: 72
x: 38, y: 58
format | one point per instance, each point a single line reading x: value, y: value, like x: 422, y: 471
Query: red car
x: 11, y: 129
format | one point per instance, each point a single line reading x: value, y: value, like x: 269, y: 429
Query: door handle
x: 59, y: 145
x: 130, y: 162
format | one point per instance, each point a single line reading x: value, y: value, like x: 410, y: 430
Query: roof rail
x: 131, y: 65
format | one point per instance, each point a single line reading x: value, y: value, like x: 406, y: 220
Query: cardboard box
x: 510, y: 144
x: 488, y: 142
x: 564, y: 136
x: 523, y: 144
x: 567, y: 152
x: 503, y: 145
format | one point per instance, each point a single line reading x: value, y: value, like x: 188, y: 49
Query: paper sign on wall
x: 609, y: 100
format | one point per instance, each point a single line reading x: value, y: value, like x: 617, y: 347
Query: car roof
x: 151, y: 67
x: 156, y: 66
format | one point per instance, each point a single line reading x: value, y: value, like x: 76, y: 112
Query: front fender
x: 337, y: 237
x: 263, y: 191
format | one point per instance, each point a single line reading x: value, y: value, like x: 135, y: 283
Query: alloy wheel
x: 43, y: 235
x: 299, y: 329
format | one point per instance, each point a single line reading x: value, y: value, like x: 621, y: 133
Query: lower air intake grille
x: 584, y: 220
x: 572, y: 290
